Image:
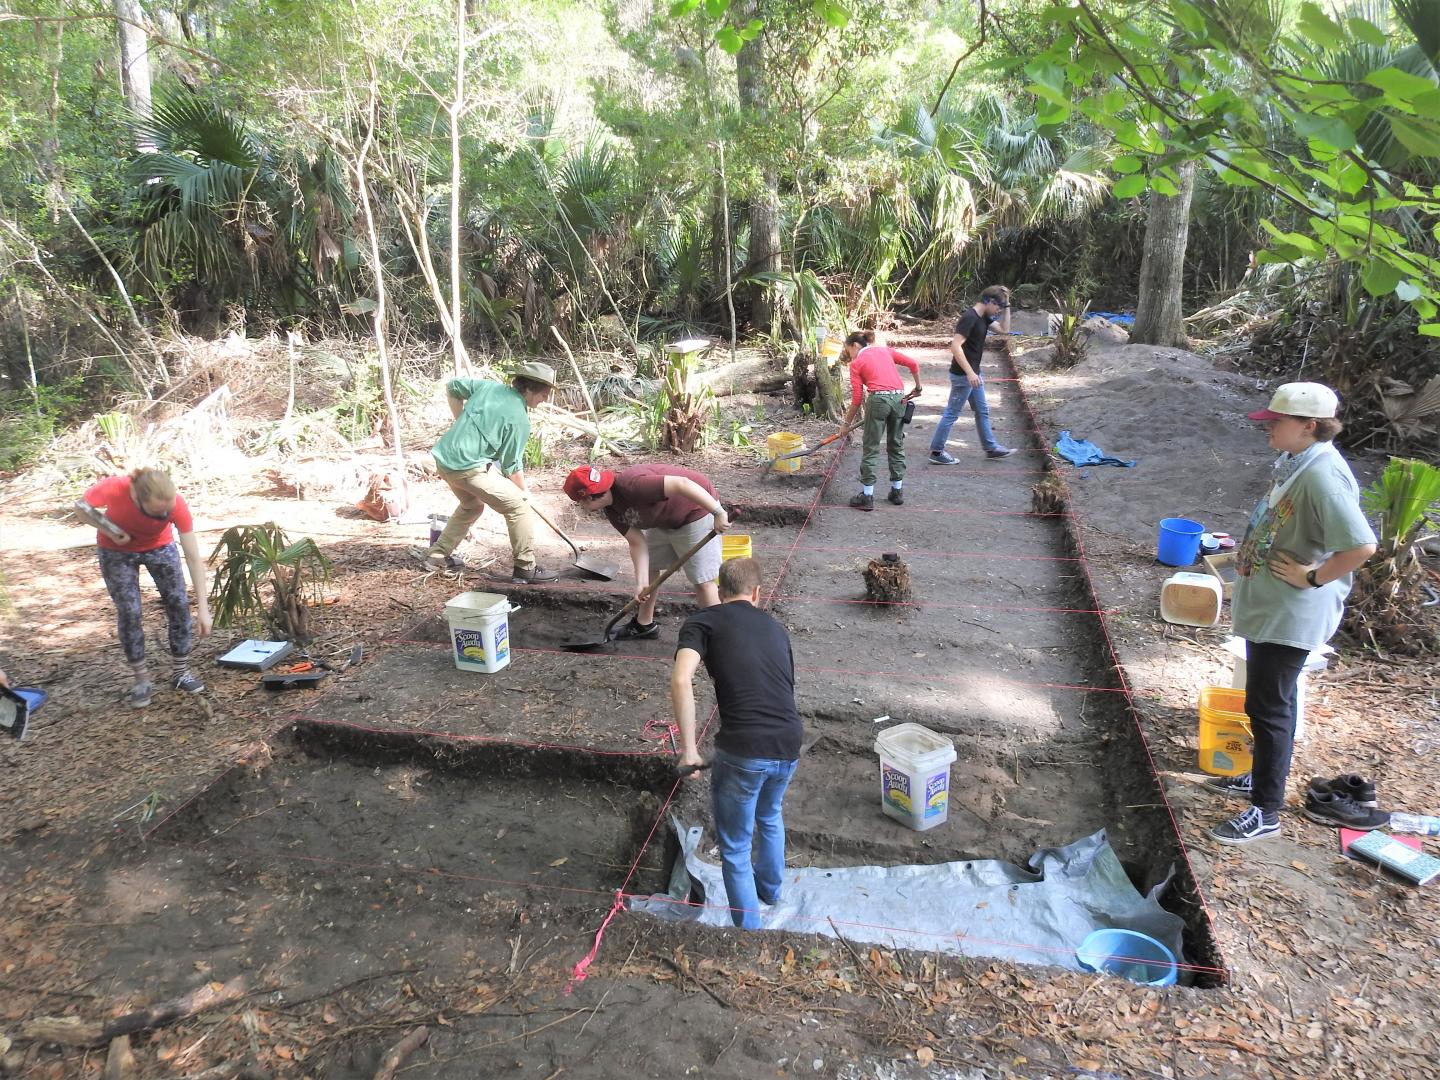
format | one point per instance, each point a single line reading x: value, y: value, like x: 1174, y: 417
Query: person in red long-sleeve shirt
x: 876, y: 387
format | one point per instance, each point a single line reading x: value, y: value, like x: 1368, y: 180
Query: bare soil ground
x: 410, y: 844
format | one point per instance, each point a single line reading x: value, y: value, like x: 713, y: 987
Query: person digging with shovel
x: 873, y: 369
x: 662, y: 511
x: 481, y: 458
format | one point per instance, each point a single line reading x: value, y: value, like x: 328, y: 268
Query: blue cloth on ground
x: 1115, y: 317
x: 1085, y: 452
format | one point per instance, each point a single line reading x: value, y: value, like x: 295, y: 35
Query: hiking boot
x: 999, y: 452
x: 532, y: 575
x: 1352, y: 784
x: 896, y: 496
x: 1247, y: 827
x: 1336, y: 810
x: 636, y: 631
x: 187, y: 684
x: 943, y: 457
x: 863, y: 502
x: 141, y: 694
x: 1236, y: 787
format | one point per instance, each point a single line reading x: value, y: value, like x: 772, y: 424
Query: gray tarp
x: 1036, y: 914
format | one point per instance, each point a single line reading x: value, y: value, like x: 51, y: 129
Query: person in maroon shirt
x: 662, y: 511
x: 136, y: 518
x: 873, y: 369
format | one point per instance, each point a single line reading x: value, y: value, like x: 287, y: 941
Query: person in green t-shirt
x: 482, y: 456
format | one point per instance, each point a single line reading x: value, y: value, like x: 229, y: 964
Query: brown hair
x: 739, y: 577
x: 1326, y: 428
x: 861, y: 338
x: 996, y: 294
x: 151, y: 485
x: 529, y: 386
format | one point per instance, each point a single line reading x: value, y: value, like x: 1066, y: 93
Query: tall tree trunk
x: 460, y: 357
x: 1159, y: 312
x: 754, y: 93
x: 134, y: 64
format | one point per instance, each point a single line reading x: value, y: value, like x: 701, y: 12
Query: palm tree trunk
x: 1159, y: 312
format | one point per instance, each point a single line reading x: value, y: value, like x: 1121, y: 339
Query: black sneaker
x: 999, y: 452
x: 532, y: 575
x: 1352, y: 784
x: 863, y: 502
x: 1336, y: 810
x: 1236, y: 787
x: 633, y: 631
x: 1247, y: 827
x: 896, y: 496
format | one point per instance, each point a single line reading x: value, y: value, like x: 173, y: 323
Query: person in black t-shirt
x: 748, y: 655
x: 967, y: 347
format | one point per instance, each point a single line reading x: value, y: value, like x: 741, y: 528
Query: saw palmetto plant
x: 258, y: 559
x: 1386, y: 605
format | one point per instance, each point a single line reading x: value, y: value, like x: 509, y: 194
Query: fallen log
x: 742, y: 377
x: 72, y: 1031
x: 397, y: 1054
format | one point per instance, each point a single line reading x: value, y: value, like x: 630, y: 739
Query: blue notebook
x: 1414, y: 866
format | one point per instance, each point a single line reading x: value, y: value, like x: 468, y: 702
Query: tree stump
x: 887, y: 581
x: 1049, y: 496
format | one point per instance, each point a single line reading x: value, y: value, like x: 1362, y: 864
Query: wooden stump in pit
x: 888, y: 581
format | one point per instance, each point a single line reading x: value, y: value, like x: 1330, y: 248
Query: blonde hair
x: 152, y: 486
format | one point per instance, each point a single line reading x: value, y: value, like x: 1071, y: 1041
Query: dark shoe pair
x: 1338, y: 810
x: 636, y: 631
x: 1359, y: 789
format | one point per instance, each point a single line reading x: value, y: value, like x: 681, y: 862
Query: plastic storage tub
x: 1191, y: 599
x: 1226, y: 745
x: 479, y: 631
x: 915, y: 775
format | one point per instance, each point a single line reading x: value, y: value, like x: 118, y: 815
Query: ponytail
x: 861, y: 338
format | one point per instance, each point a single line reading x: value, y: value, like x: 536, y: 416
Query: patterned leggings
x: 121, y: 571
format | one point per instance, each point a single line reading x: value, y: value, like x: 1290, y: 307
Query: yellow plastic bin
x: 1226, y: 744
x: 785, y: 442
x: 734, y: 546
x: 830, y: 349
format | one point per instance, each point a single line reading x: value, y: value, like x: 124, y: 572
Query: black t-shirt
x: 972, y: 327
x: 747, y: 653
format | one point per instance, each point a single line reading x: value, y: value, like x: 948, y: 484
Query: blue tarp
x: 1085, y: 452
x: 1115, y: 317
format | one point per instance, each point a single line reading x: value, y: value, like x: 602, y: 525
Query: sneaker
x: 187, y: 684
x: 863, y: 502
x: 532, y: 575
x: 943, y: 457
x: 635, y: 631
x: 1352, y: 784
x: 1335, y: 810
x: 1237, y: 787
x: 436, y: 560
x: 896, y: 496
x: 999, y: 452
x: 141, y: 694
x: 1246, y: 827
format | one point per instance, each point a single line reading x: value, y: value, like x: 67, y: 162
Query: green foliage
x: 1403, y: 499
x: 1384, y: 609
x: 31, y: 418
x: 1070, y: 338
x: 254, y: 557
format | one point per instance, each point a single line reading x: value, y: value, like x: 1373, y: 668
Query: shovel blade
x: 585, y: 646
x: 595, y: 568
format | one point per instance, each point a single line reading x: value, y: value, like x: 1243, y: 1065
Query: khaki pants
x: 477, y: 489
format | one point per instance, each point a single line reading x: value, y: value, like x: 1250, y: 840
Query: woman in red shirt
x: 136, y: 517
x: 873, y: 369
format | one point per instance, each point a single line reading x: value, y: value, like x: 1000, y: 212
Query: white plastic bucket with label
x: 915, y: 775
x: 479, y: 631
x: 1317, y: 660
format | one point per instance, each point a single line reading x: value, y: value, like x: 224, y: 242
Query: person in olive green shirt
x: 481, y: 457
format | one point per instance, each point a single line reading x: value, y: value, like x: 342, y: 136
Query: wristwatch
x: 1310, y: 578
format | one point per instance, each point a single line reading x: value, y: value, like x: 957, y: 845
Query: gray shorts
x: 667, y: 545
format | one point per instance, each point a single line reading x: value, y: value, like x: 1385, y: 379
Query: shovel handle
x: 635, y: 600
x: 558, y: 531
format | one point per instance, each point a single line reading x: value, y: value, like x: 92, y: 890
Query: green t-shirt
x: 1318, y: 515
x: 493, y: 426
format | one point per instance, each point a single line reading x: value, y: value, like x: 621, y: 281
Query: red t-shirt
x: 640, y: 501
x: 146, y: 533
x: 874, y: 369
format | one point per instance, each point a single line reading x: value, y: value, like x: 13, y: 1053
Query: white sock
x: 895, y: 484
x: 867, y: 489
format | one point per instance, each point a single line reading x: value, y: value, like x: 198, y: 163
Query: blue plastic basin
x: 1179, y: 541
x: 1129, y: 954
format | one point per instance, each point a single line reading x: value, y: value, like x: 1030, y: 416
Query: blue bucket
x: 1129, y: 954
x: 1179, y: 543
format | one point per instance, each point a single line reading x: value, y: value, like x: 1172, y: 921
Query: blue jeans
x: 960, y: 392
x: 747, y: 793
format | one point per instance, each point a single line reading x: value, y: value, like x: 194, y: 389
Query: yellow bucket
x: 830, y: 349
x: 1225, y: 741
x: 734, y: 546
x: 785, y: 442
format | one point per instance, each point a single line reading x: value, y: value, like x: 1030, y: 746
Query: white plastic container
x: 1191, y: 599
x: 1318, y: 660
x: 479, y: 631
x: 915, y: 775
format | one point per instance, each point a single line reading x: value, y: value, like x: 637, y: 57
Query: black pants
x: 1272, y: 676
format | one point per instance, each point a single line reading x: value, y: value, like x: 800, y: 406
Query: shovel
x: 585, y: 563
x: 770, y: 465
x: 609, y: 634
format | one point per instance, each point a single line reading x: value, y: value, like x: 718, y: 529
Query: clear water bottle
x: 1416, y: 824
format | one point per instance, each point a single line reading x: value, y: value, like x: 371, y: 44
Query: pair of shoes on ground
x: 1345, y: 801
x: 143, y: 693
x: 637, y: 631
x: 861, y: 501
x: 944, y: 457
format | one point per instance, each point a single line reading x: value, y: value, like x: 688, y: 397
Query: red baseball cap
x: 588, y: 480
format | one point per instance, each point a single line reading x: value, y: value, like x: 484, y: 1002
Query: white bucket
x: 915, y: 775
x: 1318, y: 660
x: 479, y: 631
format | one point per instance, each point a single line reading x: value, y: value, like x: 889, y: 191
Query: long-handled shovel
x: 769, y: 466
x: 586, y: 563
x: 609, y: 635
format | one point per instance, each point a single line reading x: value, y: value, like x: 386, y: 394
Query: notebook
x: 1393, y: 854
x: 255, y: 655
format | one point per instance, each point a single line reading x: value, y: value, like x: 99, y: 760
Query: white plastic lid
x: 479, y: 603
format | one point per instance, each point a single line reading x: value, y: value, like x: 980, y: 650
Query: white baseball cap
x: 1310, y: 400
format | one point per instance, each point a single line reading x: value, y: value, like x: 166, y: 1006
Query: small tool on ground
x: 588, y: 564
x: 769, y: 466
x: 609, y: 635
